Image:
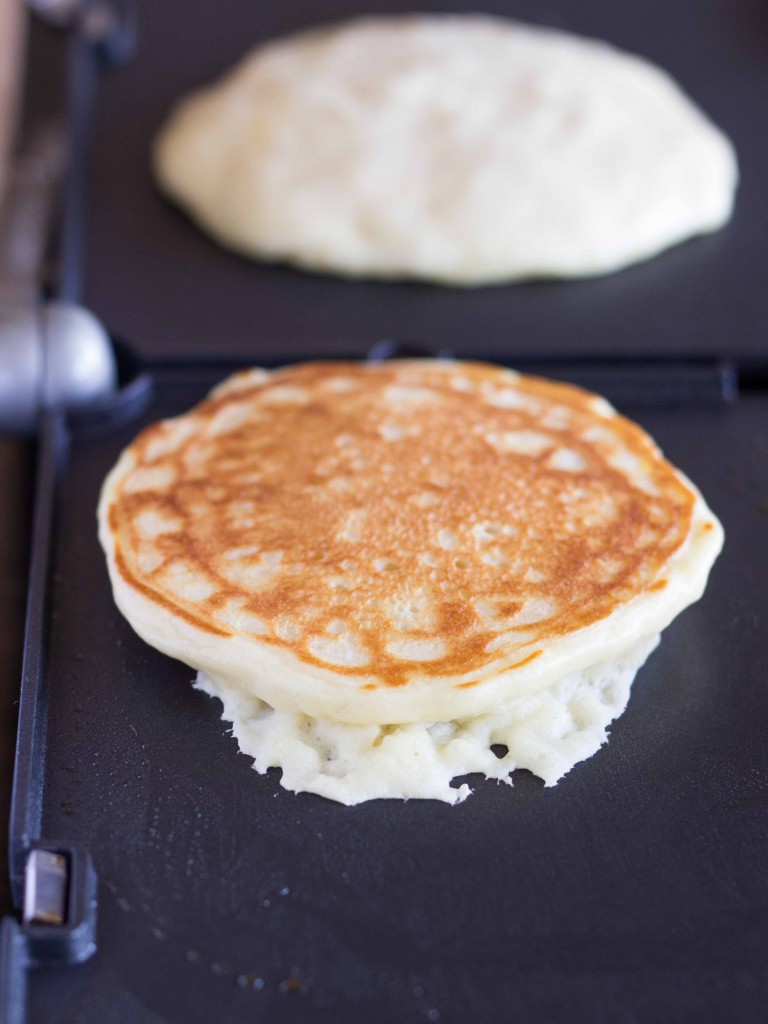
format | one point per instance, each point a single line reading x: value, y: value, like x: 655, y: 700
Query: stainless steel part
x: 45, y: 888
x: 78, y: 356
x: 57, y: 354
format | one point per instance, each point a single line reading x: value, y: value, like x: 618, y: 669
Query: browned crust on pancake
x: 509, y: 668
x: 170, y: 605
x: 301, y: 483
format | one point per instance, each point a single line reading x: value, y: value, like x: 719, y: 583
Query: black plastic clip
x: 59, y: 912
x: 58, y: 926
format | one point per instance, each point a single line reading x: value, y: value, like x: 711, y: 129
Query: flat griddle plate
x: 633, y: 891
x: 156, y: 281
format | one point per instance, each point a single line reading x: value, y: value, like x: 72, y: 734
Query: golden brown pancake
x: 402, y: 541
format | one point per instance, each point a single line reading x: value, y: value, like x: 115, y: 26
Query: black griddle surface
x: 158, y: 282
x: 634, y: 891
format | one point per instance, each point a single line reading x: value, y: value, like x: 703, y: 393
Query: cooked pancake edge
x: 524, y: 643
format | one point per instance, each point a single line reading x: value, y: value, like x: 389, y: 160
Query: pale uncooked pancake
x: 547, y: 732
x: 459, y: 149
x: 405, y: 560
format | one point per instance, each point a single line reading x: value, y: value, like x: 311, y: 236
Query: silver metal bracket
x: 57, y: 355
x: 45, y: 888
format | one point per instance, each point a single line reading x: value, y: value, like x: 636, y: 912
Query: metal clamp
x: 59, y: 913
x: 56, y: 355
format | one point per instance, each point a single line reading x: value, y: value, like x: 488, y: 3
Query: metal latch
x: 58, y: 919
x: 45, y: 888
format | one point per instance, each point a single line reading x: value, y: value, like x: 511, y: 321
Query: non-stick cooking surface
x: 158, y: 282
x: 634, y: 891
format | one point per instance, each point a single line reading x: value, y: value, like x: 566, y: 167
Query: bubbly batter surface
x: 461, y: 149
